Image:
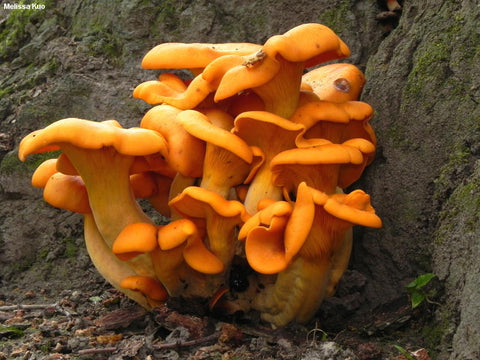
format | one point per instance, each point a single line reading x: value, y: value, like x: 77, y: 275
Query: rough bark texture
x: 81, y: 59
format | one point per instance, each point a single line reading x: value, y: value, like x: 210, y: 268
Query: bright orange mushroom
x: 43, y: 172
x: 299, y: 290
x: 67, y: 192
x: 263, y: 234
x: 220, y: 215
x: 324, y: 167
x: 102, y: 154
x: 336, y: 122
x: 274, y: 73
x: 336, y: 82
x: 248, y: 118
x: 185, y: 151
x: 228, y: 159
x: 148, y: 286
x: 272, y: 134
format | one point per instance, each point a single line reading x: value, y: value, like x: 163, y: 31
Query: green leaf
x: 404, y: 352
x: 421, y: 281
x: 417, y: 298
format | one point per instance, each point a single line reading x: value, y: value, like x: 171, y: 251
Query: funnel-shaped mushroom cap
x: 185, y: 151
x: 197, y: 256
x: 67, y: 192
x: 336, y: 82
x: 310, y: 43
x: 354, y: 207
x: 135, y: 239
x: 192, y: 55
x: 199, y: 126
x: 43, y: 172
x: 196, y: 202
x: 335, y: 122
x: 148, y: 286
x: 189, y: 56
x: 272, y: 134
x: 220, y: 215
x: 323, y: 167
x: 307, y: 44
x: 88, y: 134
x: 168, y: 85
x: 264, y: 238
x: 228, y: 159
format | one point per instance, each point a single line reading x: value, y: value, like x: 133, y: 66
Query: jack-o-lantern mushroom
x: 194, y: 57
x: 274, y: 73
x: 335, y: 82
x: 228, y: 159
x: 220, y: 216
x: 102, y: 154
x: 336, y: 122
x: 185, y: 152
x: 324, y: 167
x: 272, y: 134
x: 324, y: 220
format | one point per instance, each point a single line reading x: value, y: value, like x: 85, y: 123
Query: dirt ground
x: 98, y: 322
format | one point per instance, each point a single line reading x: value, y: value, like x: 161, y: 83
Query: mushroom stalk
x: 106, y: 177
x: 297, y: 293
x: 107, y: 264
x: 261, y: 187
x: 105, y: 173
x: 281, y: 94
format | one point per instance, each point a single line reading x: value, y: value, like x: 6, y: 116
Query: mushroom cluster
x: 247, y: 160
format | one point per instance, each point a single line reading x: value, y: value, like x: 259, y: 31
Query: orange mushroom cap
x: 147, y: 286
x: 228, y: 159
x: 311, y: 43
x: 195, y: 253
x: 67, y: 192
x: 354, y: 207
x: 168, y: 85
x: 91, y: 135
x: 43, y: 172
x: 336, y: 82
x: 220, y: 215
x: 135, y: 239
x: 323, y: 167
x: 335, y: 122
x: 307, y: 44
x: 199, y: 125
x: 264, y: 238
x: 272, y: 134
x: 185, y: 151
x: 192, y: 55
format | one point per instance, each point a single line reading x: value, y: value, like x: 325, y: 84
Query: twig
x: 96, y: 351
x: 212, y: 337
x: 55, y: 306
x: 27, y: 307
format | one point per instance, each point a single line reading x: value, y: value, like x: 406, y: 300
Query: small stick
x: 36, y: 307
x: 195, y: 342
x: 27, y: 307
x: 96, y: 351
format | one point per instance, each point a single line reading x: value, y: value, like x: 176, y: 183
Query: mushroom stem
x: 297, y: 293
x: 226, y: 171
x: 281, y: 94
x: 261, y: 187
x: 108, y: 265
x: 340, y: 260
x: 106, y: 176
